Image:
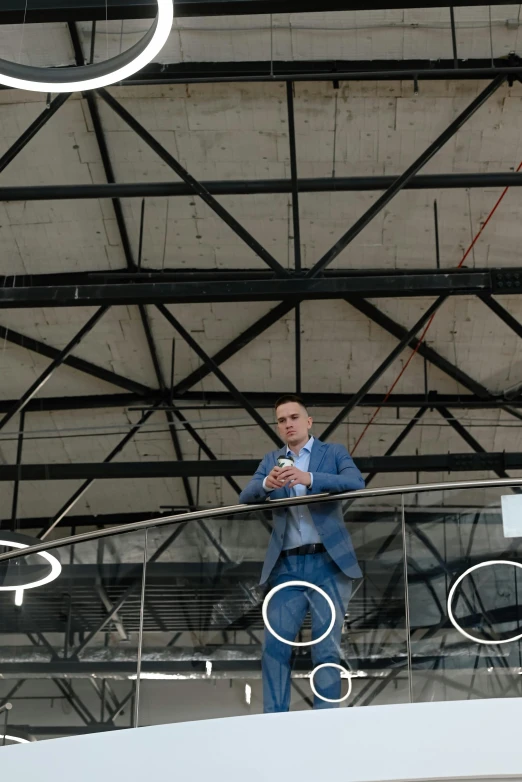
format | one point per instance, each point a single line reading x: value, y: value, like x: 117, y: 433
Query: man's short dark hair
x: 283, y: 400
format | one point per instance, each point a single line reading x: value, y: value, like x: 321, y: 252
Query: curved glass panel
x: 68, y: 648
x: 225, y: 613
x: 207, y: 651
x: 465, y: 534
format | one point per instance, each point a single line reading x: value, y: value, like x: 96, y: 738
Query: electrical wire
x: 119, y: 429
x: 427, y: 327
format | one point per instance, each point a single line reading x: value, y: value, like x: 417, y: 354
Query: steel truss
x: 271, y: 282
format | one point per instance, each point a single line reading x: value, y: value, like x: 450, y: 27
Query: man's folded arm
x: 348, y: 477
x: 254, y: 490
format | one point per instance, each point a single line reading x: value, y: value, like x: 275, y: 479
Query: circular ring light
x: 15, y: 739
x: 330, y: 700
x: 298, y: 583
x: 452, y: 619
x: 91, y: 77
x: 11, y: 540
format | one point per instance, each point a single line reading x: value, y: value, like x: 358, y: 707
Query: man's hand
x: 292, y: 476
x: 272, y: 479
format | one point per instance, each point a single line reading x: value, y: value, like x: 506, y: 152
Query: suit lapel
x: 316, y: 457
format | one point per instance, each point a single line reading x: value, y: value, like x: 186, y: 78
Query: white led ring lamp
x: 10, y: 579
x: 291, y: 584
x: 340, y: 668
x: 485, y: 641
x: 91, y: 77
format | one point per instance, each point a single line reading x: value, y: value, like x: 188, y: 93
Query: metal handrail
x: 230, y: 510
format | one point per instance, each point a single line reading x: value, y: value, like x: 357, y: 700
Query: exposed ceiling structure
x: 288, y: 199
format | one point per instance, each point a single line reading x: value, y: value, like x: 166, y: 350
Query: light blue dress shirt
x: 300, y: 528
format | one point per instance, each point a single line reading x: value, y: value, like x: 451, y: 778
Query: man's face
x: 293, y: 423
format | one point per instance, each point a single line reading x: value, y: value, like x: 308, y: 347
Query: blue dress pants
x: 286, y: 613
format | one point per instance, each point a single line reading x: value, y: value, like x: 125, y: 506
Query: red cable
x: 421, y: 340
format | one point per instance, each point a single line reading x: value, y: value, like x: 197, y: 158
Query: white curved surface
x: 428, y: 741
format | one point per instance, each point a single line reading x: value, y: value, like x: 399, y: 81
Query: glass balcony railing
x: 404, y: 595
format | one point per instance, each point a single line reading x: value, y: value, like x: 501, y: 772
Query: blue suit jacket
x: 334, y: 471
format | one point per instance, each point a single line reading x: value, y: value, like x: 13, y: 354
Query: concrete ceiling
x: 239, y: 131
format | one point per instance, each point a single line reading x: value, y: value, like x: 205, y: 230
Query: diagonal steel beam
x: 503, y: 314
x: 225, y: 353
x: 75, y: 701
x: 381, y: 369
x: 120, y: 706
x: 12, y: 691
x: 168, y: 413
x: 71, y: 502
x: 8, y: 335
x: 238, y: 396
x: 467, y: 436
x: 195, y: 186
x: 431, y: 355
x: 175, y: 438
x: 403, y: 180
x: 241, y: 341
x: 59, y: 359
x: 398, y: 440
x: 131, y: 264
x: 32, y: 130
x: 102, y: 146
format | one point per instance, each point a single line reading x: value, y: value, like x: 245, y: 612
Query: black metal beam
x: 71, y: 502
x: 213, y: 367
x: 381, y: 369
x: 294, y: 175
x: 503, y: 314
x: 399, y: 440
x: 103, y: 148
x: 196, y: 187
x: 431, y: 355
x: 467, y: 437
x: 233, y: 347
x: 246, y: 467
x: 8, y: 335
x: 48, y: 371
x: 32, y: 130
x: 327, y: 70
x: 222, y: 400
x: 373, y: 285
x: 38, y: 11
x: 257, y: 186
x: 410, y: 172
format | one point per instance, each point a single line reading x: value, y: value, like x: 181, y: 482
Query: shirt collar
x: 306, y: 447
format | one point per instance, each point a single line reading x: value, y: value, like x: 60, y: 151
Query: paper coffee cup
x: 285, y: 461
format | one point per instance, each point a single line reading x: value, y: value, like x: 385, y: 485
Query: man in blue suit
x: 308, y: 543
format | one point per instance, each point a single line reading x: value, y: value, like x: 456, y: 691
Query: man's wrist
x: 265, y: 487
x: 311, y: 481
